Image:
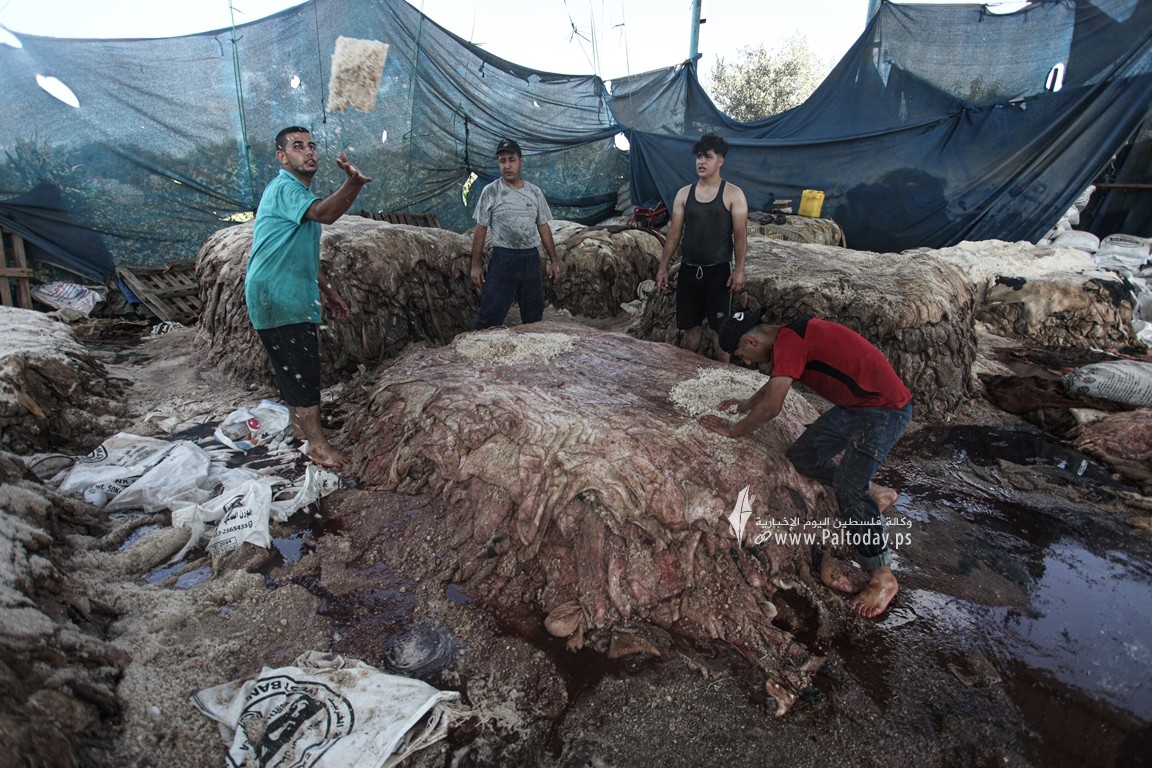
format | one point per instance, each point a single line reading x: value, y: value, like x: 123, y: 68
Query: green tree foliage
x: 764, y: 82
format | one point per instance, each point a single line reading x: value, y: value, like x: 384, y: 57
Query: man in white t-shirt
x: 516, y: 213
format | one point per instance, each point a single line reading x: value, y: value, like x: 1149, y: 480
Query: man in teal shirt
x: 284, y: 285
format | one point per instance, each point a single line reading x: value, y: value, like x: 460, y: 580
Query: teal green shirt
x: 281, y: 286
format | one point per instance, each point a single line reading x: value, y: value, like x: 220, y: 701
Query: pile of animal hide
x: 59, y: 678
x: 53, y: 393
x: 796, y: 229
x: 1049, y: 295
x: 575, y: 480
x: 602, y: 267
x: 918, y: 310
x: 402, y: 284
x: 406, y: 285
x: 1123, y: 441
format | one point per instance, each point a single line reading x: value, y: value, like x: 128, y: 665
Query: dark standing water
x: 1065, y: 620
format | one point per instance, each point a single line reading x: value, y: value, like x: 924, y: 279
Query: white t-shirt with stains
x: 512, y: 215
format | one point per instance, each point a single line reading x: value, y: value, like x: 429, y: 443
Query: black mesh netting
x: 939, y: 125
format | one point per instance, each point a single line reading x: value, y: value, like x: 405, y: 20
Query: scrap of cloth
x: 327, y: 710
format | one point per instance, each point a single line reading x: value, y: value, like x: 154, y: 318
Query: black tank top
x: 707, y: 236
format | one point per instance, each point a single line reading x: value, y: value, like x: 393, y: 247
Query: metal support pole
x: 694, y: 43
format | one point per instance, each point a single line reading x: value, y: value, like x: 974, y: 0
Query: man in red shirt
x: 871, y: 409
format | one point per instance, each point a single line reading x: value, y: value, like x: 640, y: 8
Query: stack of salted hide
x: 917, y: 309
x: 570, y: 475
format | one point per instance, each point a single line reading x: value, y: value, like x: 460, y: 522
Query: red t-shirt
x: 839, y: 364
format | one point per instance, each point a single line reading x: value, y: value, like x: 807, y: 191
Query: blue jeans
x: 865, y: 436
x: 512, y: 274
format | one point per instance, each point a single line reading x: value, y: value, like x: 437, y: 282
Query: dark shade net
x: 936, y: 127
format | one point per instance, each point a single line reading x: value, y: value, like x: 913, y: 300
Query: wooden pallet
x: 170, y: 291
x: 400, y: 217
x: 14, y: 271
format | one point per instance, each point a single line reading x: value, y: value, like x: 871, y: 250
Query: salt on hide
x: 797, y: 229
x: 918, y: 310
x: 403, y: 284
x: 357, y: 66
x: 575, y: 483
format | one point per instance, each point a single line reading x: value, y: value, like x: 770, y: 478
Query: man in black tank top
x: 709, y: 226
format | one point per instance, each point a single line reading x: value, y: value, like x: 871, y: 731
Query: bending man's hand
x: 716, y: 424
x: 741, y: 406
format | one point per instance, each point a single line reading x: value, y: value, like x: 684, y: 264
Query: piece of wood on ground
x: 171, y: 291
x: 14, y: 271
x: 403, y: 217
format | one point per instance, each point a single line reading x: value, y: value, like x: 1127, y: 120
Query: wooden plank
x: 14, y: 267
x: 170, y: 291
x: 404, y: 217
x: 23, y: 290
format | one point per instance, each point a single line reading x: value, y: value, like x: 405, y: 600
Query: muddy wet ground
x: 1022, y: 635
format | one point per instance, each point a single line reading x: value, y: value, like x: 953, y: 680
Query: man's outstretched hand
x: 353, y: 172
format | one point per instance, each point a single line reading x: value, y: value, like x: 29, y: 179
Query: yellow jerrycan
x: 811, y: 201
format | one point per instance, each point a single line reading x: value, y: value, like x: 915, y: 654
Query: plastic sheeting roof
x: 936, y: 127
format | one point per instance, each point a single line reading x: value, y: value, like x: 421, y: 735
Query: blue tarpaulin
x: 942, y: 123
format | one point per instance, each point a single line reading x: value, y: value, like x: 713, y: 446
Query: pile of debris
x: 59, y: 675
x: 1050, y: 295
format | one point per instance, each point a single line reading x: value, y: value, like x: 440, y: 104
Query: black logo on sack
x: 291, y: 723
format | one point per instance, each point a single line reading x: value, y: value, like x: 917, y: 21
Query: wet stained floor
x: 1022, y: 634
x: 1025, y: 589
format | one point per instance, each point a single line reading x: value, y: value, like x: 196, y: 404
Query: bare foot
x: 874, y: 599
x: 326, y: 456
x: 884, y: 496
x: 840, y: 577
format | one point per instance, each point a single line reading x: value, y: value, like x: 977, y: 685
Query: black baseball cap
x: 735, y: 326
x: 509, y: 145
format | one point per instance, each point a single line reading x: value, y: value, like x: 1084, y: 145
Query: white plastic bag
x: 59, y: 295
x: 317, y: 484
x: 241, y: 513
x: 1074, y: 238
x: 303, y: 715
x: 181, y: 477
x: 1122, y: 381
x: 113, y: 466
x: 244, y: 518
x: 1122, y: 253
x: 245, y: 428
